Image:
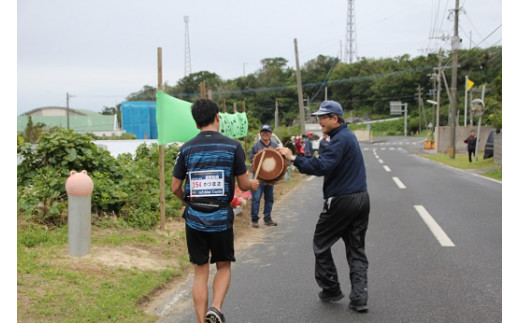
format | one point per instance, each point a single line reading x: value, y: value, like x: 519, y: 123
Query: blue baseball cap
x: 327, y: 107
x: 266, y: 127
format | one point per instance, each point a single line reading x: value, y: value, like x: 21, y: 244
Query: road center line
x: 310, y: 178
x: 437, y: 231
x: 398, y: 183
x: 387, y: 168
x: 381, y: 161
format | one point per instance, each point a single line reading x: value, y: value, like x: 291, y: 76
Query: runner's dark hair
x: 204, y: 112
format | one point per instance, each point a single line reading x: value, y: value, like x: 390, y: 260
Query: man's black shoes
x: 331, y: 295
x: 360, y: 308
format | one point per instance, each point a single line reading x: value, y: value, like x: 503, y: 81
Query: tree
x: 148, y: 93
x: 33, y: 131
x: 188, y: 88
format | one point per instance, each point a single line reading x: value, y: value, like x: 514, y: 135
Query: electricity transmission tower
x: 351, y: 39
x: 187, y: 54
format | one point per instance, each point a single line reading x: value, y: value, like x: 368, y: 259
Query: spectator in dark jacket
x: 324, y: 141
x: 308, y: 145
x: 266, y: 189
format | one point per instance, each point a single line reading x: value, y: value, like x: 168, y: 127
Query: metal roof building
x: 83, y: 121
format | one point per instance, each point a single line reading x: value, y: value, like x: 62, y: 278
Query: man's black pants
x: 344, y: 217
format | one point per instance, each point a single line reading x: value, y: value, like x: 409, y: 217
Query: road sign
x: 396, y: 107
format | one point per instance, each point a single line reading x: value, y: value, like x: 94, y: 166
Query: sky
x: 100, y: 51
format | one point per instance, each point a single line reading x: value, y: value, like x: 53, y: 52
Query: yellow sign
x: 469, y: 85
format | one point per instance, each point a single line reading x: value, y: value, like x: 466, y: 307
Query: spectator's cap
x: 327, y: 107
x: 309, y: 134
x: 266, y: 127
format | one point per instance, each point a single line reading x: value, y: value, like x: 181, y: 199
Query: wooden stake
x: 161, y: 148
x: 203, y: 90
x: 245, y: 138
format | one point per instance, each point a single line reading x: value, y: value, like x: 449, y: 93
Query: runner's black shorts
x: 201, y: 244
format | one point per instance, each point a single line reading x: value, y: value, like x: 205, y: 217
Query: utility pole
x: 421, y: 108
x: 68, y: 111
x: 437, y: 121
x: 455, y: 43
x: 276, y: 113
x: 326, y: 92
x: 300, y: 91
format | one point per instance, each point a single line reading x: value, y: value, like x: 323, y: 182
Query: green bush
x: 126, y: 187
x: 44, y: 200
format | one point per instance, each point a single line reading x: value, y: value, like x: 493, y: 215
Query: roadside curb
x: 461, y: 170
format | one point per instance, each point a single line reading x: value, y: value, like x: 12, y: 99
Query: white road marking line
x: 437, y: 231
x: 392, y: 148
x: 310, y: 178
x: 387, y: 168
x: 381, y: 161
x: 398, y: 183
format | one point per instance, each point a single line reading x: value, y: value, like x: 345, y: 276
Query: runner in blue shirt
x: 209, y: 164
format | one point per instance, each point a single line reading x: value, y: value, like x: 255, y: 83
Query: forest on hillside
x: 364, y: 88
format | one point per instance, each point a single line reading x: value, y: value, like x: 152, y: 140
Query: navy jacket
x: 341, y: 163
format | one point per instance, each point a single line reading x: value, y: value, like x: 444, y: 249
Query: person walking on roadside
x: 345, y: 209
x: 471, y: 141
x: 308, y: 145
x: 266, y: 189
x: 208, y: 164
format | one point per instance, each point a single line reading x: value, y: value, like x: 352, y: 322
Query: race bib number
x: 207, y: 183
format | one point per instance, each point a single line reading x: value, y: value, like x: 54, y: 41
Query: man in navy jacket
x: 345, y: 209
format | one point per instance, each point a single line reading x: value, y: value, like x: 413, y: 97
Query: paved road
x: 433, y: 243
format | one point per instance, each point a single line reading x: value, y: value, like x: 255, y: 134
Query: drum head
x: 270, y: 165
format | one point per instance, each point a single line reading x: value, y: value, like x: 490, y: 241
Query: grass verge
x: 485, y: 167
x: 124, y: 269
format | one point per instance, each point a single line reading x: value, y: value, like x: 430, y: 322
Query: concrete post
x: 79, y: 188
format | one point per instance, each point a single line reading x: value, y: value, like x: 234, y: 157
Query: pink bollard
x: 79, y: 187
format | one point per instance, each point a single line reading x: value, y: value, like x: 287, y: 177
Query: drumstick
x: 260, y: 164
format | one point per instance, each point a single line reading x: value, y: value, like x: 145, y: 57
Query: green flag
x: 174, y: 120
x: 233, y: 125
